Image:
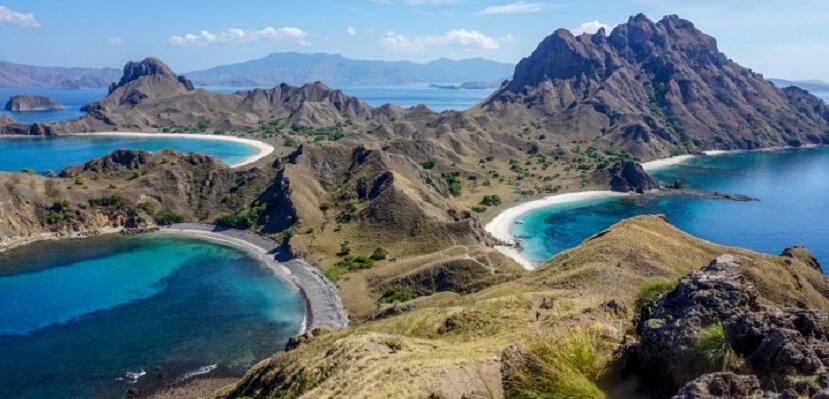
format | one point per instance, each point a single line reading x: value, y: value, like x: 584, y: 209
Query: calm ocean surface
x: 43, y: 154
x: 793, y: 208
x: 85, y: 318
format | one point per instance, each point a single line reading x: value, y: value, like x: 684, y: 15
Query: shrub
x: 380, y: 253
x: 107, y: 201
x: 347, y: 214
x: 712, y: 346
x: 533, y: 149
x: 396, y: 295
x: 345, y: 249
x: 79, y: 180
x: 479, y: 208
x: 335, y: 273
x: 148, y: 207
x: 166, y: 217
x: 455, y: 189
x: 429, y: 164
x: 352, y: 262
x: 649, y: 292
x: 454, y: 182
x: 242, y: 220
x: 491, y: 200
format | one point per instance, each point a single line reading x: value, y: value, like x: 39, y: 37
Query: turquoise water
x: 793, y: 208
x: 77, y: 317
x: 43, y: 154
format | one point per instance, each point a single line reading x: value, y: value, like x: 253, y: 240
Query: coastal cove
x: 54, y: 153
x: 117, y: 312
x: 791, y: 185
x: 156, y: 309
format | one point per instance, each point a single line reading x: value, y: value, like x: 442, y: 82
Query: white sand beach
x: 262, y: 149
x: 500, y: 227
x: 665, y: 162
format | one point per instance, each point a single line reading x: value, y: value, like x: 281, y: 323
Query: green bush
x: 533, y: 149
x: 148, y: 207
x: 396, y: 295
x: 712, y: 346
x: 242, y: 220
x: 345, y: 249
x: 380, y: 253
x: 479, y: 208
x: 355, y: 262
x: 167, y: 217
x: 649, y: 292
x: 491, y: 200
x: 107, y: 201
x: 429, y: 164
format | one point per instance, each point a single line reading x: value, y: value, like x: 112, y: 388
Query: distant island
x: 814, y: 86
x: 467, y: 86
x: 335, y: 70
x: 20, y: 75
x: 32, y: 104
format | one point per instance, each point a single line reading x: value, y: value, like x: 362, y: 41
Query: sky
x: 779, y: 38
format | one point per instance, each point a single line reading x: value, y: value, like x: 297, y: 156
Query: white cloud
x: 116, y: 40
x: 456, y: 37
x: 239, y: 36
x: 350, y: 30
x: 590, y: 27
x: 22, y: 19
x: 513, y: 8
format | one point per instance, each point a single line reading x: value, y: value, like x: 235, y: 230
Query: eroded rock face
x: 629, y: 176
x: 721, y: 385
x: 783, y: 347
x: 798, y: 252
x: 32, y: 103
x: 150, y: 66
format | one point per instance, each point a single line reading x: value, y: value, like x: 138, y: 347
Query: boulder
x: 629, y: 176
x: 721, y: 385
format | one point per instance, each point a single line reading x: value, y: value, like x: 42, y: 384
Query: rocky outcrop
x: 627, y: 176
x: 150, y: 66
x: 721, y: 385
x: 26, y: 103
x: 652, y: 86
x: 781, y: 346
x: 803, y: 254
x: 112, y: 163
x: 9, y: 127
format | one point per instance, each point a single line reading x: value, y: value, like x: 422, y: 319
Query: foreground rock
x: 627, y: 176
x: 786, y: 348
x: 26, y: 103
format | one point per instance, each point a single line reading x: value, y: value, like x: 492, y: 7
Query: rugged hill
x: 19, y: 75
x: 652, y: 88
x: 551, y: 333
x: 336, y: 70
x: 32, y: 103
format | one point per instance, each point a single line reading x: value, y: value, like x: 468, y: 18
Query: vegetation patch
x: 713, y: 348
x: 650, y: 292
x: 396, y: 295
x: 564, y: 367
x: 107, y: 201
x: 242, y: 220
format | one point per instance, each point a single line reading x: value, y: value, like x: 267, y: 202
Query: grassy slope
x: 451, y: 344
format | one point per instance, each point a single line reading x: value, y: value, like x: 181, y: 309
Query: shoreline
x: 262, y: 148
x: 323, y: 305
x: 500, y: 226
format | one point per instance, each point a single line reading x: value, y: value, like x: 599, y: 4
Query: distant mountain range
x: 808, y: 85
x: 338, y: 71
x: 19, y: 75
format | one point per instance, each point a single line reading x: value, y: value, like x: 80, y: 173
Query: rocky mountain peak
x: 150, y: 66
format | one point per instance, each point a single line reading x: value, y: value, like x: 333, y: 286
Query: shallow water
x: 43, y: 154
x: 793, y: 208
x: 94, y: 317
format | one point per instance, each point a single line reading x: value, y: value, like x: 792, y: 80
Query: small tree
x: 345, y: 249
x: 380, y: 253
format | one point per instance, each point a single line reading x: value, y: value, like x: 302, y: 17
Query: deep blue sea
x: 72, y: 100
x: 43, y: 154
x: 792, y: 187
x: 85, y: 318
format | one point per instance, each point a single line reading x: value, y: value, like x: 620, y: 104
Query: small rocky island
x: 27, y: 103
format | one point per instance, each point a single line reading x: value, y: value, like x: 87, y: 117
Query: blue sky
x: 788, y: 39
